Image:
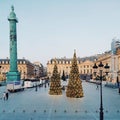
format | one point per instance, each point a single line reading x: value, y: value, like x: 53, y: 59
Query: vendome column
x: 13, y: 76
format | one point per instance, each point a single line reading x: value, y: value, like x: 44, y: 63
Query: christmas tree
x: 74, y: 88
x: 55, y: 83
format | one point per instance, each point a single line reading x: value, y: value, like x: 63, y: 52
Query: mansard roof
x: 23, y: 60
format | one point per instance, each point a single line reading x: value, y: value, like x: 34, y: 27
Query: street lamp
x: 106, y: 67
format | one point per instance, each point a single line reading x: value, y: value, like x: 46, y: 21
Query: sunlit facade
x: 64, y: 64
x: 25, y: 67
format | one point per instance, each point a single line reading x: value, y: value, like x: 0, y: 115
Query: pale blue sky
x: 54, y: 28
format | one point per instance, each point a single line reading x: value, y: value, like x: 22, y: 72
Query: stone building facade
x: 25, y: 67
x: 86, y: 66
x: 64, y: 64
x: 39, y: 69
x: 114, y: 63
x: 118, y: 65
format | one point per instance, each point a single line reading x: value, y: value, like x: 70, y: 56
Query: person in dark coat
x: 7, y: 95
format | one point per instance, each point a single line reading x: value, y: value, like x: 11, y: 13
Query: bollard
x: 76, y: 111
x: 96, y: 111
x: 65, y: 111
x: 14, y: 111
x: 106, y: 111
x: 86, y: 111
x: 24, y: 111
x: 34, y: 111
x: 3, y: 111
x: 118, y: 111
x: 44, y: 111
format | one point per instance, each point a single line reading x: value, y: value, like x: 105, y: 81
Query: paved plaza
x: 39, y: 105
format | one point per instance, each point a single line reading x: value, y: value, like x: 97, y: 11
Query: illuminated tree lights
x: 55, y: 83
x: 74, y: 88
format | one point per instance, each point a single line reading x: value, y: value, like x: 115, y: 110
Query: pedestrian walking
x: 4, y: 96
x: 36, y: 88
x: 97, y: 87
x: 45, y: 85
x: 7, y: 95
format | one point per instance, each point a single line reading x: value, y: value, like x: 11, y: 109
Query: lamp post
x: 106, y: 67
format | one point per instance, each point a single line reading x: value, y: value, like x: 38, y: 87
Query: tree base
x: 55, y: 92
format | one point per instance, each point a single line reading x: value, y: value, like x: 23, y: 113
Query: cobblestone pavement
x: 39, y: 105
